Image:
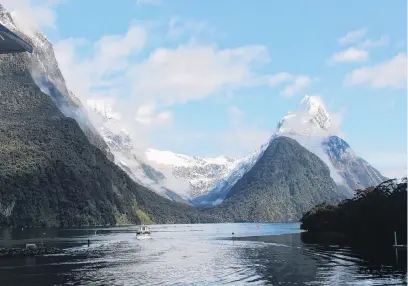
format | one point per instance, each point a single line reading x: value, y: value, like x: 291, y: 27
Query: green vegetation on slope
x: 371, y: 216
x: 285, y: 182
x: 51, y: 175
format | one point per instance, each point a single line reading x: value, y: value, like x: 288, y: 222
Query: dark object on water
x: 89, y: 242
x: 30, y: 251
x: 12, y: 43
x: 396, y: 245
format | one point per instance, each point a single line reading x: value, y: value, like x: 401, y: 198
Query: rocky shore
x: 21, y: 252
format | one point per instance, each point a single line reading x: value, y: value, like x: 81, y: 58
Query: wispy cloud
x: 33, y: 15
x: 293, y: 83
x: 144, y: 89
x: 192, y: 72
x: 280, y: 78
x: 369, y: 43
x: 350, y: 55
x: 147, y: 114
x: 179, y: 27
x: 352, y: 37
x: 298, y: 84
x: 390, y: 73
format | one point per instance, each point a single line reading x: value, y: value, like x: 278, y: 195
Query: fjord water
x: 202, y: 254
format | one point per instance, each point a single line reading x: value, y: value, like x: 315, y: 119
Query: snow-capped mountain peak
x: 317, y: 111
x: 311, y: 118
x: 311, y: 126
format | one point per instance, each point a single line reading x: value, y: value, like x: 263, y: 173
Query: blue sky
x: 214, y: 77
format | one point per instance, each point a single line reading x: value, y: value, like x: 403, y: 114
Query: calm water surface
x: 194, y: 255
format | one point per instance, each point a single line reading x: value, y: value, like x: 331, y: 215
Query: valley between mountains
x: 66, y: 163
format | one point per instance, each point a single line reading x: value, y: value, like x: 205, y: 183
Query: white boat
x: 143, y: 232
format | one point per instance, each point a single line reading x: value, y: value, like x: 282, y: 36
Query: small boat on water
x: 143, y: 232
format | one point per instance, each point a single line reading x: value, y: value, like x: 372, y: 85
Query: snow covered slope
x: 129, y: 158
x: 97, y: 122
x: 311, y: 126
x: 181, y: 177
x: 198, y: 174
x: 169, y: 174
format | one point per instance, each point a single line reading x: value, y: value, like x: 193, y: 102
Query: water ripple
x: 195, y: 255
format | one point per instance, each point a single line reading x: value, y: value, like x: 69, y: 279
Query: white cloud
x: 178, y: 27
x: 294, y: 83
x: 391, y: 73
x: 146, y: 114
x: 279, y: 78
x: 93, y: 76
x: 382, y: 41
x: 143, y: 90
x: 33, y: 15
x: 191, y: 72
x: 352, y: 37
x: 112, y: 50
x: 300, y: 83
x: 350, y: 55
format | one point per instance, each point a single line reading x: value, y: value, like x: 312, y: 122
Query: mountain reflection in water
x: 194, y: 255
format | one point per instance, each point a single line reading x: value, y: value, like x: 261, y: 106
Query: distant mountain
x: 356, y: 172
x: 169, y: 174
x: 284, y: 183
x: 311, y: 126
x: 198, y: 174
x: 55, y: 170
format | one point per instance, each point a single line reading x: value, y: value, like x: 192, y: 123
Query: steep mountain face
x: 128, y: 157
x: 50, y: 173
x: 284, y: 183
x: 44, y: 69
x: 312, y: 127
x: 46, y: 74
x: 356, y: 172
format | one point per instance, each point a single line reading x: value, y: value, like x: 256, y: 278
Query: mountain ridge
x: 186, y: 176
x: 312, y: 126
x: 283, y: 184
x: 190, y: 179
x: 52, y: 175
